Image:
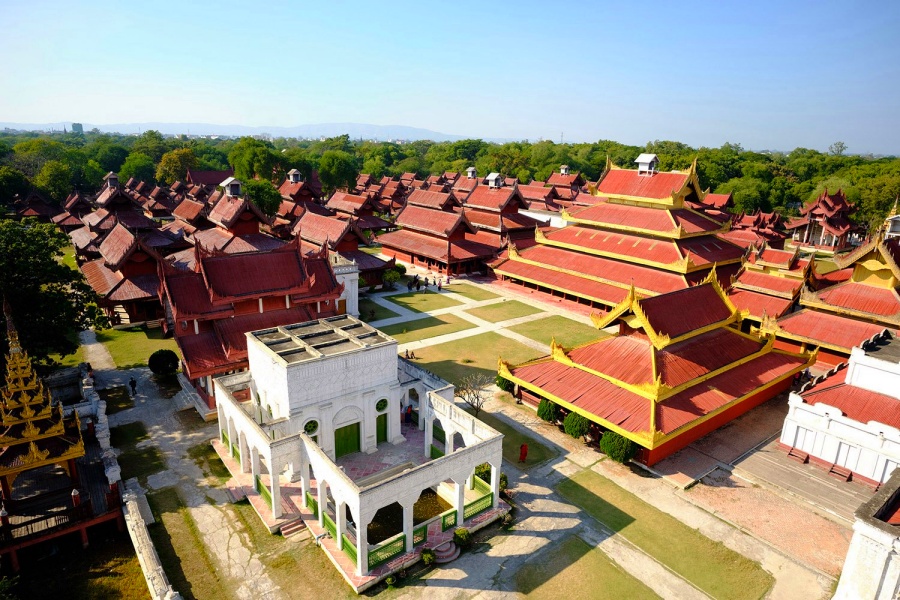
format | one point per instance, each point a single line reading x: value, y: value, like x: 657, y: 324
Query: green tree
x: 54, y: 180
x: 140, y: 166
x: 337, y: 169
x: 576, y: 425
x: 547, y: 410
x: 617, y: 447
x: 264, y: 195
x: 50, y: 302
x: 251, y: 158
x: 12, y: 182
x: 110, y: 157
x: 837, y: 148
x: 150, y: 143
x: 174, y: 165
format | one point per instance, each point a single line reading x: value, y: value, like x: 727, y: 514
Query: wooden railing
x: 420, y: 534
x: 478, y: 506
x: 435, y: 452
x: 312, y: 504
x: 330, y: 526
x: 42, y: 525
x: 349, y: 549
x: 448, y: 519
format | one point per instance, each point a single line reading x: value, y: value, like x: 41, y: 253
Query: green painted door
x: 346, y: 440
x: 381, y: 428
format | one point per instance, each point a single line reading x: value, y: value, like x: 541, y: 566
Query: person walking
x: 133, y: 385
x: 523, y: 453
x: 439, y: 285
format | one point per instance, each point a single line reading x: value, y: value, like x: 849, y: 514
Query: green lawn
x: 366, y: 308
x: 477, y: 354
x: 574, y: 570
x: 718, y: 571
x: 428, y: 327
x: 503, y: 311
x: 68, y: 258
x: 181, y: 550
x: 374, y: 249
x: 209, y: 462
x: 513, y: 439
x: 565, y: 331
x: 422, y: 302
x: 823, y: 266
x: 135, y: 462
x: 132, y: 347
x: 117, y: 399
x: 472, y: 292
x: 107, y: 569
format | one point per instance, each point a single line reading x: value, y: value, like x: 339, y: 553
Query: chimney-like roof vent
x: 494, y: 180
x: 471, y: 173
x: 648, y: 164
x: 564, y: 169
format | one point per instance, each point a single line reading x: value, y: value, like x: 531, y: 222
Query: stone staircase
x: 295, y: 527
x: 446, y: 552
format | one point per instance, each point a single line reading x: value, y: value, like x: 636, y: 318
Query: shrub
x: 401, y: 269
x: 462, y: 537
x: 428, y: 556
x: 504, y: 384
x: 483, y: 472
x: 576, y: 425
x: 547, y: 411
x: 389, y: 278
x: 391, y: 581
x: 617, y: 447
x: 163, y: 362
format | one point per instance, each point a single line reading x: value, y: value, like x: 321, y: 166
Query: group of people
x: 423, y: 283
x: 410, y: 355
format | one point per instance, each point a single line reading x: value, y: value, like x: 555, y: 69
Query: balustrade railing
x: 448, y: 519
x: 387, y: 550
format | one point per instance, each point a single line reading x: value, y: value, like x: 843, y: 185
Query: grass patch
x: 209, y: 462
x: 68, y: 257
x: 127, y: 435
x: 513, y: 439
x: 503, y: 311
x: 131, y: 348
x: 472, y: 292
x: 422, y: 302
x: 428, y: 327
x: 715, y: 569
x: 117, y: 399
x: 575, y: 570
x: 181, y: 550
x: 565, y: 331
x: 284, y: 559
x: 824, y: 267
x: 373, y: 249
x: 135, y: 462
x: 370, y: 311
x: 107, y: 569
x: 477, y: 354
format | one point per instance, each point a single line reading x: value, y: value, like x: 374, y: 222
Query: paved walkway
x: 174, y: 427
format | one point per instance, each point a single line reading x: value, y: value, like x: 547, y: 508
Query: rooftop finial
x: 12, y: 335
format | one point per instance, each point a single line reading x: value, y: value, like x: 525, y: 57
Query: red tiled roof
x: 212, y: 178
x: 757, y: 303
x: 347, y: 203
x: 864, y: 298
x: 494, y: 199
x: 780, y: 258
x: 83, y: 238
x: 116, y: 246
x: 778, y: 285
x: 316, y: 229
x: 645, y: 278
x: 835, y: 330
x: 637, y: 217
x: 683, y: 311
x: 483, y: 247
x: 65, y: 219
x: 719, y: 201
x: 854, y: 402
x: 139, y: 287
x: 558, y: 179
x: 100, y: 277
x: 370, y: 222
x: 708, y: 249
x: 696, y: 356
x: 415, y: 243
x: 627, y: 182
x: 626, y: 358
x: 611, y: 242
x: 365, y: 261
x: 134, y: 219
x: 435, y: 222
x: 712, y: 394
x: 231, y: 332
x: 188, y: 210
x: 254, y: 274
x: 228, y: 209
x: 434, y: 200
x: 572, y: 284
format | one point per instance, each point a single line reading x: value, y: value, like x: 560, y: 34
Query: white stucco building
x: 849, y: 420
x: 872, y: 568
x: 323, y: 405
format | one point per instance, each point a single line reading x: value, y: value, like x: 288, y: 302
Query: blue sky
x: 769, y: 75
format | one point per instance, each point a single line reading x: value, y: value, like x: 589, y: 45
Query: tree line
x: 55, y: 164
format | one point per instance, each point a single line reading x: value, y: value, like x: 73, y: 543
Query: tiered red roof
x: 854, y: 402
x: 674, y: 366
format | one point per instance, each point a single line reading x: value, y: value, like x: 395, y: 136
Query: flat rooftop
x: 887, y: 349
x: 302, y: 342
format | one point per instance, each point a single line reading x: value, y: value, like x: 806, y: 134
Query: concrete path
x: 174, y: 427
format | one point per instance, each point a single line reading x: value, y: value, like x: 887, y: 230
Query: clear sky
x: 766, y: 74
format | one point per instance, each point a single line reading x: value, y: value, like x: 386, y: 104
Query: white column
x: 448, y: 441
x: 495, y: 484
x: 408, y: 523
x: 470, y: 481
x: 254, y: 464
x: 362, y: 547
x: 245, y: 453
x: 341, y: 522
x: 232, y: 434
x: 429, y: 433
x: 460, y: 503
x: 320, y: 488
x: 304, y: 479
x: 275, y: 488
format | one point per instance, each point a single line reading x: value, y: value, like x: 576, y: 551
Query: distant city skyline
x: 766, y: 75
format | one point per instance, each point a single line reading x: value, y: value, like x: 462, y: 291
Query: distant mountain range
x: 354, y: 130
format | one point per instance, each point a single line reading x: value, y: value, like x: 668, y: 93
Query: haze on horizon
x: 768, y: 75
